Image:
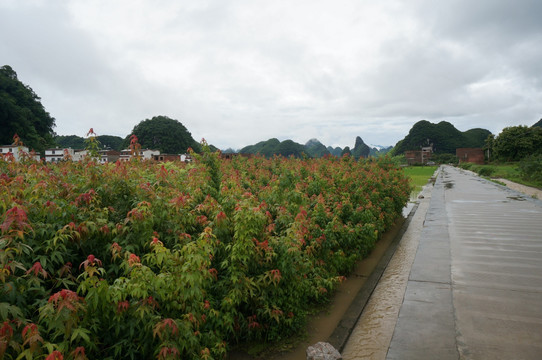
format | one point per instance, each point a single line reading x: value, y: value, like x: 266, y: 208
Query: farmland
x: 180, y: 261
x: 419, y: 176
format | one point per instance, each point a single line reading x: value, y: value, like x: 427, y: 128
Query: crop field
x: 179, y: 261
x: 419, y: 176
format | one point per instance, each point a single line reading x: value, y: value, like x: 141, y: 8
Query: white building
x: 109, y: 156
x: 145, y: 154
x: 79, y: 155
x: 16, y: 151
x: 58, y: 154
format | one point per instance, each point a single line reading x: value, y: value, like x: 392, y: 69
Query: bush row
x: 141, y: 260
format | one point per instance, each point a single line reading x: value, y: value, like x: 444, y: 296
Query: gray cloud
x: 239, y: 72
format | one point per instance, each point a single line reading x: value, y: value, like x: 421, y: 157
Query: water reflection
x: 372, y: 335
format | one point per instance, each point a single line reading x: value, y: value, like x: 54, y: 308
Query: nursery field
x: 419, y: 176
x: 141, y: 260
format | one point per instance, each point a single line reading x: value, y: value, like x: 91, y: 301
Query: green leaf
x: 81, y: 333
x: 6, y: 308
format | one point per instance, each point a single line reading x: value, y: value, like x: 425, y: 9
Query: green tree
x: 517, y: 142
x: 22, y: 113
x: 70, y: 141
x: 110, y: 141
x: 489, y: 143
x: 77, y: 142
x: 164, y: 134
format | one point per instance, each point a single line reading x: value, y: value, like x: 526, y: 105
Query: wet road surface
x: 474, y: 289
x: 371, y: 337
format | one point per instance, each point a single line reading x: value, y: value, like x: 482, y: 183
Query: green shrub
x: 141, y: 260
x: 486, y: 170
x: 531, y: 168
x: 444, y: 158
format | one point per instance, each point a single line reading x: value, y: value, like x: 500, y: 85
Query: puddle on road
x: 448, y: 184
x: 518, y: 198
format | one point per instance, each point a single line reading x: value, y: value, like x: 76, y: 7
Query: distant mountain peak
x: 361, y: 150
x: 379, y: 147
x: 315, y: 148
x: 313, y: 141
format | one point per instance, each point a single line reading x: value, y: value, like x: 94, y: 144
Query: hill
x: 380, y: 150
x: 275, y: 147
x: 314, y: 148
x: 22, y: 113
x: 444, y: 137
x: 538, y: 123
x: 335, y: 151
x: 164, y: 134
x: 361, y: 150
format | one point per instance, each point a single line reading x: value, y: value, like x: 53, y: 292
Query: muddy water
x: 321, y: 326
x: 372, y: 335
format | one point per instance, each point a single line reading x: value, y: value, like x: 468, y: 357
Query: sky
x: 242, y: 71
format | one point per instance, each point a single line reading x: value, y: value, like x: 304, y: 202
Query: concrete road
x: 474, y: 290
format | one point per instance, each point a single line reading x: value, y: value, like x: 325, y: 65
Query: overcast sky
x: 242, y: 71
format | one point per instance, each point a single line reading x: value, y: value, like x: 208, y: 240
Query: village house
x: 109, y: 156
x: 59, y: 154
x: 470, y: 155
x: 172, y: 157
x: 145, y: 154
x: 16, y: 151
x: 419, y: 157
x: 54, y: 155
x: 79, y: 155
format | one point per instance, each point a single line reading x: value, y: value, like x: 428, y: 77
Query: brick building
x: 470, y: 155
x: 414, y: 157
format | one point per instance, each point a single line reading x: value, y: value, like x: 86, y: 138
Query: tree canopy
x: 517, y: 142
x: 164, y: 134
x: 22, y: 113
x: 78, y: 142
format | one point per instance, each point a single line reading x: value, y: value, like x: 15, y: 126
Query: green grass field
x: 419, y: 176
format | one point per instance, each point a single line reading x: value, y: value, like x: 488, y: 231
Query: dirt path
x: 527, y: 190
